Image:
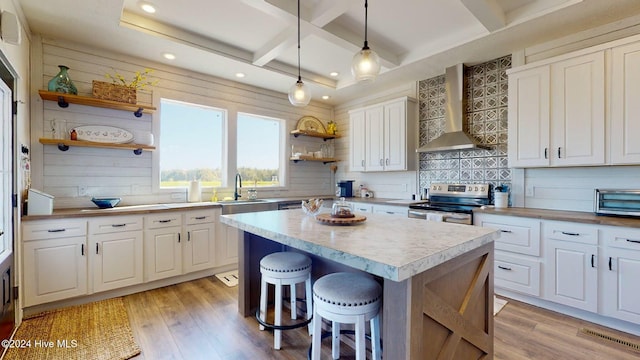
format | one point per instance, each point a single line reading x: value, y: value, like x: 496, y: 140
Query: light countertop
x: 392, y: 247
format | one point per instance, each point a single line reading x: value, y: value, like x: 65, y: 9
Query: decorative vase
x: 62, y: 83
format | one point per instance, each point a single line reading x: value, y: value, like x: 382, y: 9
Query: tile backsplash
x: 485, y: 120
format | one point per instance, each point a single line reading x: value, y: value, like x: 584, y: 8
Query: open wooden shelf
x: 297, y: 133
x: 311, y: 158
x: 63, y: 145
x: 64, y: 100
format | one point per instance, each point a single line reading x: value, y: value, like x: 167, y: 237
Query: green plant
x: 139, y: 82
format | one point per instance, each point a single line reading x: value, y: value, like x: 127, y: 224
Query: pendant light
x: 299, y: 94
x: 366, y: 63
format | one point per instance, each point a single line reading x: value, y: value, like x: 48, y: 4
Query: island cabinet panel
x: 452, y: 309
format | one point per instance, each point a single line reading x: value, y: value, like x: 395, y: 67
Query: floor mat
x: 229, y: 278
x: 498, y: 304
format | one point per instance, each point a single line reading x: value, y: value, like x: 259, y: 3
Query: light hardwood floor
x: 199, y: 320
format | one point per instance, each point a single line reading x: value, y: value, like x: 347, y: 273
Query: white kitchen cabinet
x: 383, y: 136
x: 571, y: 264
x: 359, y: 207
x: 227, y: 243
x: 557, y: 113
x: 199, y: 251
x: 517, y: 265
x: 390, y: 209
x: 177, y: 243
x: 528, y: 128
x: 625, y: 107
x: 115, y: 249
x: 620, y: 268
x: 162, y: 246
x: 55, y: 260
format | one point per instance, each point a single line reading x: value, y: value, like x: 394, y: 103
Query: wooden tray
x: 327, y: 219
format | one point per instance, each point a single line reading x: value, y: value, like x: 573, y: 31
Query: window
x: 260, y: 149
x: 192, y: 143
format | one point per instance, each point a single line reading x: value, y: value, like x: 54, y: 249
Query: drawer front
x: 114, y: 224
x: 517, y: 273
x: 391, y: 210
x: 201, y: 216
x: 163, y: 220
x: 53, y: 229
x: 361, y: 208
x: 565, y: 231
x: 620, y: 237
x: 519, y: 236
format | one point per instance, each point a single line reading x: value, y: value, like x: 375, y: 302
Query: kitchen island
x: 437, y: 277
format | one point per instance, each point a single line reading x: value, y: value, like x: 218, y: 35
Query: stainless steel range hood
x: 454, y: 137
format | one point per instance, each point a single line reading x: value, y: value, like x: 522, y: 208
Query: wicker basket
x: 109, y: 91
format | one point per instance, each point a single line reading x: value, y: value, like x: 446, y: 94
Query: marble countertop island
x: 437, y: 278
x: 391, y: 247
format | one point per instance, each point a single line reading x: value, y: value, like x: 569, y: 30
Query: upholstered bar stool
x: 281, y: 269
x: 347, y: 298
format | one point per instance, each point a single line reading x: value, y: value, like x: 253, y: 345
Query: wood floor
x: 199, y: 320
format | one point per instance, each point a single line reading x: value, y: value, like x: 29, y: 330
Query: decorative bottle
x: 62, y: 83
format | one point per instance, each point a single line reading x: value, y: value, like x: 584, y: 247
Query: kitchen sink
x: 245, y: 206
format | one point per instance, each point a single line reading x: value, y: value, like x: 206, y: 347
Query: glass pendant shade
x: 365, y: 65
x: 299, y: 94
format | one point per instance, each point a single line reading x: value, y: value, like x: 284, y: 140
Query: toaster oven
x: 624, y: 202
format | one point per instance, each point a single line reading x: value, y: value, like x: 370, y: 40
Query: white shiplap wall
x: 573, y: 188
x: 108, y: 172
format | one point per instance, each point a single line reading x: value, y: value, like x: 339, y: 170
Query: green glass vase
x: 62, y: 82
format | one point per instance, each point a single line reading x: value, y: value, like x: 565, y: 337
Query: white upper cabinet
x: 529, y: 118
x: 625, y: 104
x: 557, y: 113
x: 380, y: 139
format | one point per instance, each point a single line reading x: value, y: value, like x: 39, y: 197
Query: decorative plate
x: 310, y: 123
x: 103, y: 134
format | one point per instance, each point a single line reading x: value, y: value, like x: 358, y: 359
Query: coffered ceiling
x: 416, y: 39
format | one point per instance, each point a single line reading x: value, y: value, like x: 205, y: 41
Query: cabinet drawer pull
x: 97, y: 248
x: 610, y: 267
x: 506, y: 231
x: 82, y: 249
x: 118, y: 225
x: 570, y: 233
x: 559, y: 153
x: 56, y: 230
x: 188, y: 235
x: 164, y: 221
x: 593, y: 260
x: 546, y: 153
x: 504, y: 267
x: 634, y: 241
x: 178, y: 237
x: 200, y: 217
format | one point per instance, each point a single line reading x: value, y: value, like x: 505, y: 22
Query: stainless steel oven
x: 452, y: 203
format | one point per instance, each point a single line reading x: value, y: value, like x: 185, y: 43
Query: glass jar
x: 342, y: 209
x: 252, y: 194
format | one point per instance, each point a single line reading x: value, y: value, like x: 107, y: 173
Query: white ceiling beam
x: 326, y: 11
x: 488, y: 12
x: 275, y: 46
x: 332, y: 34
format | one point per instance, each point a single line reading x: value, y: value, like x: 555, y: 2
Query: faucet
x: 237, y: 191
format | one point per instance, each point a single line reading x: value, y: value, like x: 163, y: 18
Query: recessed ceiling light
x: 240, y: 75
x: 334, y: 73
x: 169, y: 56
x: 326, y: 97
x: 147, y: 7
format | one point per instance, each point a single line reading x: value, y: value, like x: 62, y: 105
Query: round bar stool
x: 279, y: 269
x: 347, y: 298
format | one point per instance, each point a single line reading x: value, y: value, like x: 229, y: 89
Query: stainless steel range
x: 452, y: 202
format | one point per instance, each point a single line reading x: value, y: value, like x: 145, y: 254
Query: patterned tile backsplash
x: 486, y: 121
